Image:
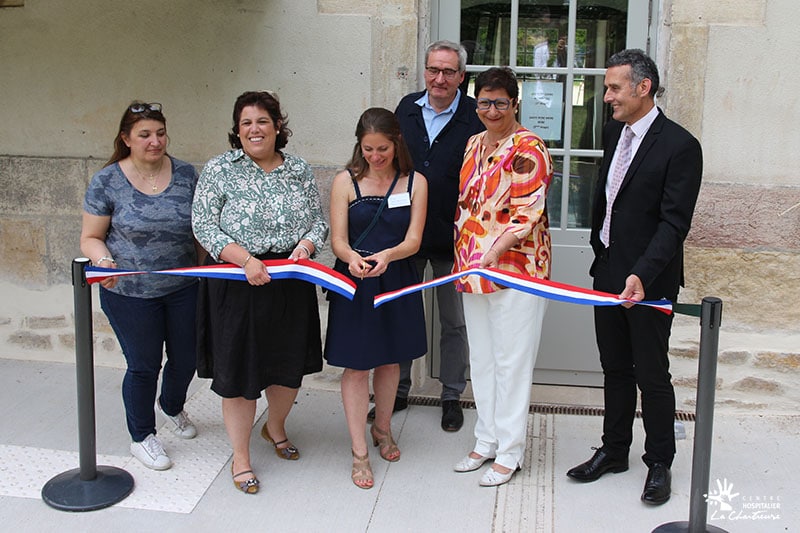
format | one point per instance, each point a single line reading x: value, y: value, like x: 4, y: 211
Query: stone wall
x: 37, y: 248
x: 725, y: 84
x: 40, y: 217
x: 719, y: 62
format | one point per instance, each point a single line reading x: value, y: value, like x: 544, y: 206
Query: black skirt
x: 250, y: 337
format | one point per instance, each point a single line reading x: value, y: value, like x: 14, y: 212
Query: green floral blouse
x: 236, y: 201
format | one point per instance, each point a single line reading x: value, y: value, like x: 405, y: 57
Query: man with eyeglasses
x: 436, y: 124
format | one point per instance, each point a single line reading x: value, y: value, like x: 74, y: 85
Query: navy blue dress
x: 360, y: 336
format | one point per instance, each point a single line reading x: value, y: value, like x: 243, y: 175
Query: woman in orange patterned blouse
x: 501, y: 222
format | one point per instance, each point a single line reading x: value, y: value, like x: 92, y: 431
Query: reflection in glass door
x: 558, y: 49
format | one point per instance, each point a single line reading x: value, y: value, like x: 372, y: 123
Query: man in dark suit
x: 644, y: 200
x: 436, y: 124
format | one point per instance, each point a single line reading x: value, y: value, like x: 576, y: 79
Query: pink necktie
x: 620, y: 169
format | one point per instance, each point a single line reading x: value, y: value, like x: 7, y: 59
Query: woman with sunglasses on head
x: 137, y: 216
x: 501, y: 223
x: 257, y: 202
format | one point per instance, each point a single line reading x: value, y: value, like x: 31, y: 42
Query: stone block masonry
x: 40, y: 217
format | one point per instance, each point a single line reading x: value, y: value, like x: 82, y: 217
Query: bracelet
x: 106, y: 258
x: 249, y: 257
x: 304, y: 248
x: 495, y: 252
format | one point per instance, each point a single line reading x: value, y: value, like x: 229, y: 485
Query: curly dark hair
x: 269, y: 103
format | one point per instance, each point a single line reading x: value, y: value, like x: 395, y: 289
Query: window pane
x: 583, y: 176
x: 485, y: 31
x: 588, y: 112
x: 554, y: 193
x: 600, y: 31
x: 542, y: 33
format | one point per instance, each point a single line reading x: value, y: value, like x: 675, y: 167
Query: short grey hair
x: 448, y: 45
x: 642, y: 67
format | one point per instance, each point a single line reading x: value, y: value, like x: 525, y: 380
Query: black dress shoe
x: 399, y: 405
x: 452, y: 415
x: 658, y: 486
x: 599, y: 464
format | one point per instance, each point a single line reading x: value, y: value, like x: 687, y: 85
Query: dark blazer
x: 440, y: 163
x: 653, y: 210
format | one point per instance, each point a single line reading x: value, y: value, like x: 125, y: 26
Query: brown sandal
x: 388, y: 448
x: 362, y: 471
x: 248, y: 486
x: 290, y: 453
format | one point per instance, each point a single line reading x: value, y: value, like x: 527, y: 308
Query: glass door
x: 558, y: 50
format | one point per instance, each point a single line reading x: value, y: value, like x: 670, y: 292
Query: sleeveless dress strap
x: 378, y: 214
x: 355, y: 183
x: 394, y: 182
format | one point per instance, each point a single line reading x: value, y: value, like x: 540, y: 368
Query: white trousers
x: 504, y: 329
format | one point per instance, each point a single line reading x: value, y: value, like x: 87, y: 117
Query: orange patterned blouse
x: 506, y: 196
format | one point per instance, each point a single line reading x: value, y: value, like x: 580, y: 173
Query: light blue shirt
x: 435, y: 122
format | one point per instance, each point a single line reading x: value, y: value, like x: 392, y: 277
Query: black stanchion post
x: 710, y: 321
x: 84, y: 372
x: 89, y: 487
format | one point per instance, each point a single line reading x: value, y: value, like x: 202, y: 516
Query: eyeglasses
x: 501, y: 104
x: 434, y: 72
x: 141, y: 108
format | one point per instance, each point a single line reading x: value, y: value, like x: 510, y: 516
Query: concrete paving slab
x: 753, y: 471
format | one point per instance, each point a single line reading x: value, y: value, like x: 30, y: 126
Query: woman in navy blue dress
x: 378, y: 210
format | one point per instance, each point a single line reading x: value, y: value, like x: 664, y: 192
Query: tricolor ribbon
x: 302, y: 269
x: 551, y: 290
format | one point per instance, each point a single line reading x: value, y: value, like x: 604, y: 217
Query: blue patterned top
x: 237, y: 202
x: 147, y: 232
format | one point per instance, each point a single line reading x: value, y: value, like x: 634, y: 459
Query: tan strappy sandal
x: 362, y: 471
x: 388, y: 448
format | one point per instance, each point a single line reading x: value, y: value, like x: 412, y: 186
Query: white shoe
x: 179, y: 424
x: 493, y: 478
x: 468, y: 464
x: 151, y: 453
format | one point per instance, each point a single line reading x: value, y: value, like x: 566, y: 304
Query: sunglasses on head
x: 141, y: 108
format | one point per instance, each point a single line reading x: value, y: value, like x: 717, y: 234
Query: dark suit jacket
x: 440, y: 163
x: 653, y: 210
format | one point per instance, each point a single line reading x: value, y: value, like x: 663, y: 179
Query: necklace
x: 492, y: 144
x: 153, y: 177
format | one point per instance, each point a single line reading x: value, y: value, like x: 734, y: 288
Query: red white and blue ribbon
x: 551, y: 290
x: 302, y: 269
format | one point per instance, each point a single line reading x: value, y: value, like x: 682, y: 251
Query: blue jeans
x: 453, y: 344
x: 143, y: 326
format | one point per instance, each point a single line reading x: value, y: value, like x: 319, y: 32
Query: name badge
x: 400, y: 199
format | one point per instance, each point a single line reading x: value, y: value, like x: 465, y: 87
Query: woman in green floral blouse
x: 256, y: 202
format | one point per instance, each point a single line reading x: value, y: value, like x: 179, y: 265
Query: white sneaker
x: 151, y: 453
x: 179, y: 424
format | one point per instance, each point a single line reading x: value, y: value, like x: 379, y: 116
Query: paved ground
x: 753, y: 472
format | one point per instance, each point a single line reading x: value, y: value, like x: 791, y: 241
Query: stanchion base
x: 68, y: 492
x: 682, y: 527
